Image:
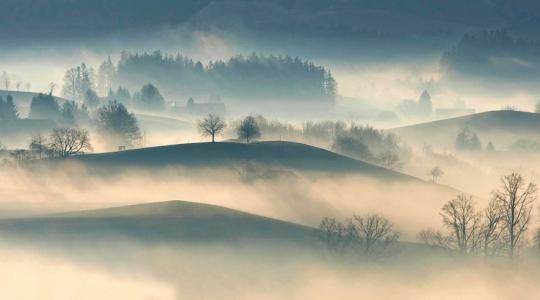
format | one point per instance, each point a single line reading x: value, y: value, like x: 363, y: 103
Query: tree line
x: 477, y: 54
x: 500, y: 229
x: 254, y: 77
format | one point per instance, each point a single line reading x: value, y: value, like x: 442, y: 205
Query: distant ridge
x: 288, y: 155
x: 171, y: 221
x: 501, y: 127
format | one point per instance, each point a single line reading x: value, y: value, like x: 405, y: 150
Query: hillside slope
x: 172, y: 221
x: 287, y: 155
x: 500, y: 127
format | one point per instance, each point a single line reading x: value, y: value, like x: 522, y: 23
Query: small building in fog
x: 214, y: 105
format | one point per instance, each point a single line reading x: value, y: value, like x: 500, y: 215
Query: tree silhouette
x: 8, y: 110
x: 150, y: 98
x: 248, y: 129
x: 77, y: 81
x: 212, y: 125
x: 435, y: 173
x: 44, y: 107
x: 65, y: 142
x: 116, y: 124
x: 514, y: 200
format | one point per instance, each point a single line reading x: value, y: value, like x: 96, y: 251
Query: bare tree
x: 369, y: 235
x: 18, y: 85
x: 65, y: 142
x: 435, y: 238
x: 464, y: 224
x: 460, y: 216
x: 515, y: 200
x: 212, y: 125
x: 38, y: 145
x: 375, y: 233
x: 435, y: 173
x: 491, y: 230
x: 28, y: 85
x: 335, y: 236
x: 248, y: 129
x: 77, y: 81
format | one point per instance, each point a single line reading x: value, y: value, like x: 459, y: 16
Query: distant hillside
x: 23, y: 99
x: 257, y: 78
x: 501, y: 127
x: 173, y: 221
x: 275, y: 154
x: 162, y: 124
x: 92, y: 17
x: 493, y: 55
x: 29, y: 20
x: 18, y: 132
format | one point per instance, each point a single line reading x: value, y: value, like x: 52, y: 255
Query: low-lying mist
x: 112, y: 271
x: 298, y: 197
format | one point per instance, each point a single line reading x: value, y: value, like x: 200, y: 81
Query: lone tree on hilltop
x: 65, y: 142
x: 212, y: 125
x: 436, y: 173
x: 248, y: 129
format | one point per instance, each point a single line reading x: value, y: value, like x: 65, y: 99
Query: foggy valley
x: 250, y: 149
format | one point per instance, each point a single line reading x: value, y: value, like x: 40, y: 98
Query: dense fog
x: 269, y: 149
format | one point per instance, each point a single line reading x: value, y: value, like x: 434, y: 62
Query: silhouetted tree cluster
x: 421, y: 108
x: 91, y: 99
x: 372, y: 145
x: 368, y: 235
x: 117, y: 125
x: 38, y: 146
x: 485, y: 53
x: 263, y: 77
x: 121, y: 95
x: 8, y: 110
x: 312, y: 132
x: 499, y: 229
x: 44, y: 106
x: 77, y: 81
x: 248, y: 129
x: 467, y: 140
x: 149, y: 98
x: 105, y: 76
x: 61, y: 143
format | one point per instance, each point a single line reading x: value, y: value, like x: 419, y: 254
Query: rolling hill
x: 24, y: 98
x: 275, y: 154
x: 172, y: 221
x: 500, y: 127
x: 162, y: 124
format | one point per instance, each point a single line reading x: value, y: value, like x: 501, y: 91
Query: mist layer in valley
x: 249, y: 149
